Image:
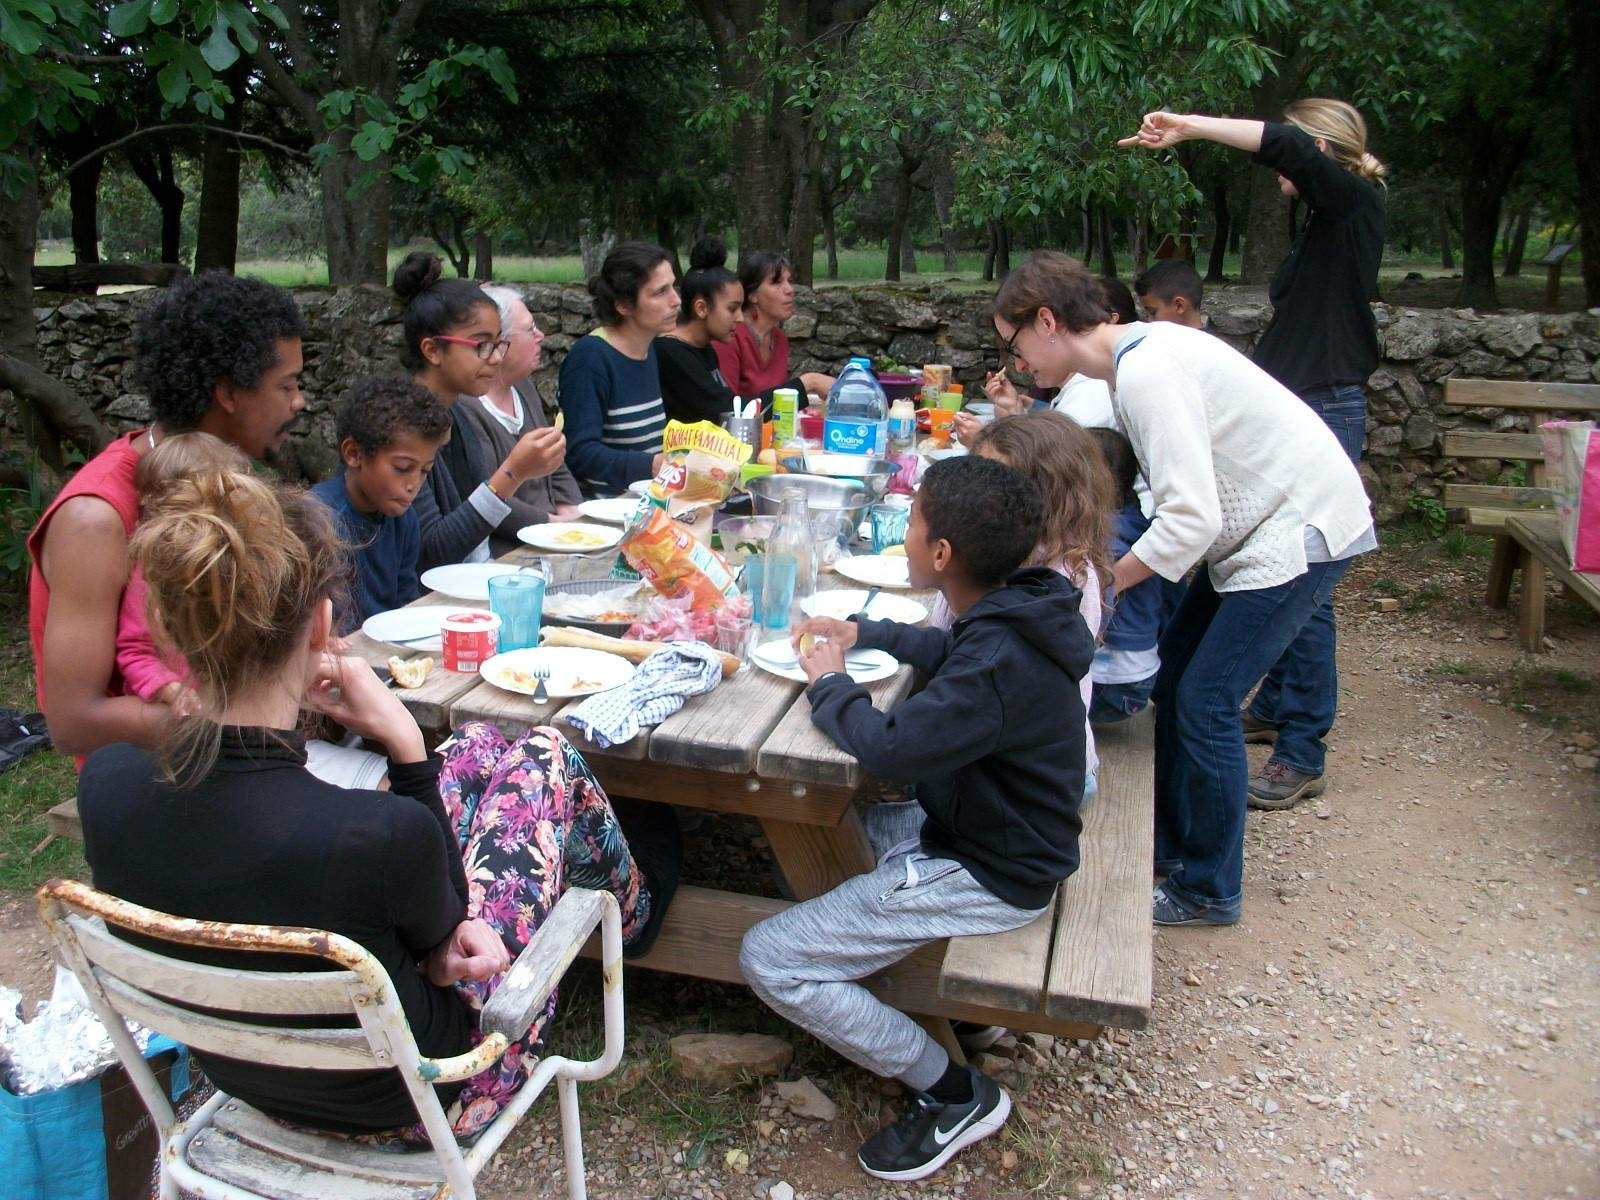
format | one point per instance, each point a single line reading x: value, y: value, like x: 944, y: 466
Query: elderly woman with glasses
x: 452, y: 345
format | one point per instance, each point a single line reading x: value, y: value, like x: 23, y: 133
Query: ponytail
x: 1343, y: 128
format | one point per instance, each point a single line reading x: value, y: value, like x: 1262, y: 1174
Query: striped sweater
x: 614, y: 412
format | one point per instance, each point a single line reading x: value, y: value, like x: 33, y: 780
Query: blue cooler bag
x: 93, y: 1140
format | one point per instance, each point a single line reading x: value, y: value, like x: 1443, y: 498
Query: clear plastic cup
x: 518, y: 600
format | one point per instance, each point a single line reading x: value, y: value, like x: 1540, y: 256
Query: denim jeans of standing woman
x: 1300, y: 695
x: 1218, y: 645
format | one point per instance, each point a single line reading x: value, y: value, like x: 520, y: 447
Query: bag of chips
x: 675, y: 562
x: 701, y: 468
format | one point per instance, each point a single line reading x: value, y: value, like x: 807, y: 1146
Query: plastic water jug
x: 857, y: 420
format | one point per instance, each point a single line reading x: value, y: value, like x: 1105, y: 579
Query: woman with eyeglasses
x: 452, y: 345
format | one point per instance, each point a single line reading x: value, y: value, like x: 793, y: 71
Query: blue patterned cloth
x: 657, y: 690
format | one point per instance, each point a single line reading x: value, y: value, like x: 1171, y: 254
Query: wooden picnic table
x: 750, y: 747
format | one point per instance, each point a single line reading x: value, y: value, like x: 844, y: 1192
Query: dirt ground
x: 1409, y: 1008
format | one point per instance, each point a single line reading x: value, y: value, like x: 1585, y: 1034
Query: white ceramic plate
x: 640, y: 487
x: 875, y: 570
x: 570, y: 537
x: 843, y: 603
x: 466, y: 581
x: 405, y: 626
x: 573, y: 672
x: 615, y: 511
x: 863, y: 666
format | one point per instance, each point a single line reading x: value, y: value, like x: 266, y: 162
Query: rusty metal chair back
x: 228, y: 1151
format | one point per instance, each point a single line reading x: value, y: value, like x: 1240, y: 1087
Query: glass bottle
x: 789, y: 569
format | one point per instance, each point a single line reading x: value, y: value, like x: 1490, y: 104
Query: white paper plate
x: 843, y: 603
x: 467, y: 581
x: 570, y: 537
x: 875, y: 570
x: 615, y: 511
x: 863, y: 666
x: 640, y: 487
x: 573, y: 672
x: 399, y: 626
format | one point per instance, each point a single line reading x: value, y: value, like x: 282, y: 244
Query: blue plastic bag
x: 93, y: 1140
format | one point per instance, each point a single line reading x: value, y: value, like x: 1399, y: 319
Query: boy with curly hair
x: 217, y: 354
x: 390, y: 429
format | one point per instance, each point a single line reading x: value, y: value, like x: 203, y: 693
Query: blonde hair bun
x: 1342, y: 126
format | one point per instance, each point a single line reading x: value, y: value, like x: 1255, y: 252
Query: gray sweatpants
x: 804, y: 961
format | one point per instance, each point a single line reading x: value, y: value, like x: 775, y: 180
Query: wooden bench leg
x: 1531, y: 617
x: 1507, y: 557
x: 815, y: 859
x: 941, y: 1031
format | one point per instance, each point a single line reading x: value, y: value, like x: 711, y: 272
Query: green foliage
x: 1430, y: 514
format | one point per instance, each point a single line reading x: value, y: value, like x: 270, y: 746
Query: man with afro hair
x: 214, y: 353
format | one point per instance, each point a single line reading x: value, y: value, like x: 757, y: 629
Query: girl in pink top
x: 1065, y: 461
x: 755, y: 361
x: 147, y: 673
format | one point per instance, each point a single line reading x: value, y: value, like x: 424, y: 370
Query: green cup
x: 951, y: 401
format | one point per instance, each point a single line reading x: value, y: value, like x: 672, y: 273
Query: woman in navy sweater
x: 610, y: 385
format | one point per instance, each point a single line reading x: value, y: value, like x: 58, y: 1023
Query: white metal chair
x: 227, y: 1150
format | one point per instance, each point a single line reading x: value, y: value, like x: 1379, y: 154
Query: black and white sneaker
x: 975, y: 1038
x: 929, y: 1136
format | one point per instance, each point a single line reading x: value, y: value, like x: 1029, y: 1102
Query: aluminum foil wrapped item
x: 65, y: 1043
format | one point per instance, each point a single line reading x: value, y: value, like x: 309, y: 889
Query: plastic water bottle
x: 857, y: 420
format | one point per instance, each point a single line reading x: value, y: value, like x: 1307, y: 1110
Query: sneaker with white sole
x: 931, y: 1134
x: 1277, y: 786
x: 974, y: 1037
x: 1166, y: 909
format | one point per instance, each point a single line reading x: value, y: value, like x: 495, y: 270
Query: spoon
x: 867, y: 603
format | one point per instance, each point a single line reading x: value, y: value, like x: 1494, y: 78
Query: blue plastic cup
x: 518, y: 600
x: 889, y: 524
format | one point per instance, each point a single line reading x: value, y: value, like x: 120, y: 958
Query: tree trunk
x: 83, y: 191
x: 830, y: 232
x: 1089, y: 227
x: 1493, y: 155
x: 1583, y: 33
x: 943, y: 201
x: 155, y: 171
x: 991, y: 251
x: 1140, y: 238
x: 899, y: 216
x: 594, y: 246
x: 47, y: 409
x: 355, y: 227
x: 1517, y: 242
x: 216, y: 243
x: 1002, y: 250
x: 483, y: 256
x: 667, y: 239
x: 1108, y: 254
x: 805, y: 172
x: 1215, y: 259
x: 1447, y: 257
x: 1267, y: 234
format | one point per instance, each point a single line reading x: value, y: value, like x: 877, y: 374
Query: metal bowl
x: 874, y: 473
x: 743, y: 536
x: 835, y: 505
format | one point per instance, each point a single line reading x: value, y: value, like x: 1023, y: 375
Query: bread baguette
x: 634, y: 652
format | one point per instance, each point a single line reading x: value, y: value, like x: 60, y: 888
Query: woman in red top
x: 755, y: 361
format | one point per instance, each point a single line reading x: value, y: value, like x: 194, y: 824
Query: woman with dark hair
x: 1322, y: 344
x: 452, y: 346
x: 610, y: 387
x: 1251, y: 487
x: 755, y: 361
x: 692, y: 386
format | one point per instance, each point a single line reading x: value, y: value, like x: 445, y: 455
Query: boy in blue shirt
x: 389, y: 429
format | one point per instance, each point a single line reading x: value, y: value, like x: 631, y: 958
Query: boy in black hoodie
x: 995, y: 747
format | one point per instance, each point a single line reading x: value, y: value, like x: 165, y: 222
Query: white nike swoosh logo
x: 942, y: 1138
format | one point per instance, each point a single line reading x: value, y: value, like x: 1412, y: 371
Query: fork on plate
x: 541, y: 694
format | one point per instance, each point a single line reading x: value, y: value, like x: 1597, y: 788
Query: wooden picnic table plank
x: 1100, y: 962
x: 817, y: 858
x: 798, y: 750
x: 511, y: 713
x: 725, y: 729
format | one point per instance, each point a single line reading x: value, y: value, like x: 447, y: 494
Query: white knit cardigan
x: 1238, y: 465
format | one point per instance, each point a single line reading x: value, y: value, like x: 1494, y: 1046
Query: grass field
x: 865, y: 265
x: 33, y: 786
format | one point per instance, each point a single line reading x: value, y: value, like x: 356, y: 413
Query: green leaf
x: 218, y: 50
x: 163, y: 11
x: 130, y: 19
x: 173, y: 80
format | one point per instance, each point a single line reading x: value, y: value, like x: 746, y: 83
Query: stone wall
x: 355, y: 330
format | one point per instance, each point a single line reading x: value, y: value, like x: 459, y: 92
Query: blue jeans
x: 1216, y: 650
x: 1110, y: 703
x: 1300, y: 695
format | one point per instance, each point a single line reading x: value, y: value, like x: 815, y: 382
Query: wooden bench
x: 1538, y: 541
x: 1488, y: 507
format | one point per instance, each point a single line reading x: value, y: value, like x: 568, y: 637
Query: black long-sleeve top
x: 1322, y: 332
x: 260, y: 840
x: 692, y: 386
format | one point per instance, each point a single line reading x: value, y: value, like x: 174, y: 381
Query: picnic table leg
x: 1531, y: 615
x: 941, y: 1031
x: 1507, y: 557
x: 816, y: 859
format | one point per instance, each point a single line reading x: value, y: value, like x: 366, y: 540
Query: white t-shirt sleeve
x: 1164, y: 416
